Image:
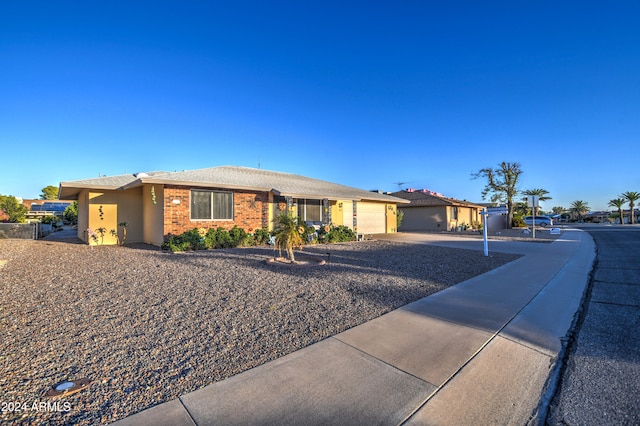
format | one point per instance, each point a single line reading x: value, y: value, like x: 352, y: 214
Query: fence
x: 24, y: 231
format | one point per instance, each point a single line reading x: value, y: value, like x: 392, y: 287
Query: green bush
x: 190, y: 240
x: 199, y: 239
x: 339, y: 234
x: 518, y: 221
x: 50, y: 219
x: 261, y: 236
x: 71, y: 213
x: 239, y: 237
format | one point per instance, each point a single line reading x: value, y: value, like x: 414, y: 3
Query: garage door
x: 371, y: 218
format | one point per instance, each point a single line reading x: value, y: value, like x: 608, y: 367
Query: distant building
x: 431, y: 211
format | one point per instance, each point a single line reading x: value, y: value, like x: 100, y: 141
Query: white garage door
x: 371, y: 218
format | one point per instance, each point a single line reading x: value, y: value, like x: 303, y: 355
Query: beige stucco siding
x: 153, y: 214
x: 83, y: 214
x: 106, y: 210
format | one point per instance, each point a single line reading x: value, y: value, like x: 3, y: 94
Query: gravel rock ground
x: 148, y: 326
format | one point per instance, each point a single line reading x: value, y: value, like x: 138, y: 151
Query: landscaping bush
x: 518, y: 221
x: 339, y: 234
x: 239, y: 237
x: 261, y: 236
x: 212, y: 238
x: 190, y: 240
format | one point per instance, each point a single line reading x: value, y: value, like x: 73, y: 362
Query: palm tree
x: 631, y: 197
x: 288, y: 234
x: 619, y: 204
x: 542, y: 196
x: 579, y: 208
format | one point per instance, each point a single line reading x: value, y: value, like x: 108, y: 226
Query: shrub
x: 338, y: 234
x: 239, y: 237
x: 518, y: 221
x: 261, y: 236
x: 49, y: 219
x: 71, y: 213
x: 190, y: 240
x: 288, y: 234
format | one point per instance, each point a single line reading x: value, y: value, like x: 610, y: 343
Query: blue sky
x: 367, y: 94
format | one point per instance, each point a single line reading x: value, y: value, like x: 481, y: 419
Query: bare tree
x: 502, y: 185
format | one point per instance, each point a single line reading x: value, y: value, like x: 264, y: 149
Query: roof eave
x: 202, y: 184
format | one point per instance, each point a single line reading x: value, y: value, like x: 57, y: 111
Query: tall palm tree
x: 619, y: 204
x: 542, y: 196
x: 580, y: 208
x: 631, y: 197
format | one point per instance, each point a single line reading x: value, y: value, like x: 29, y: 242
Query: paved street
x: 601, y: 382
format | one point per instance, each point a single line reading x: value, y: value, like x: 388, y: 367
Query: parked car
x: 543, y: 221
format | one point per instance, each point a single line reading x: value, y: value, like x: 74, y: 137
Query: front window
x: 454, y: 213
x: 211, y: 205
x: 310, y: 210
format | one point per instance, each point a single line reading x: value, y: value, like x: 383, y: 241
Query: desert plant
x: 579, y: 208
x: 114, y: 234
x: 123, y: 225
x: 91, y: 234
x: 631, y: 197
x: 288, y: 234
x: 101, y: 231
x: 619, y: 204
x: 542, y: 196
x: 502, y: 184
x: 399, y: 217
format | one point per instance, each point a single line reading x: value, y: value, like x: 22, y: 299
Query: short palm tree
x: 619, y: 204
x: 631, y: 197
x: 579, y: 208
x: 542, y: 196
x: 288, y: 235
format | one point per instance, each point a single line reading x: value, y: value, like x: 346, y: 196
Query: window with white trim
x: 211, y: 205
x: 310, y: 210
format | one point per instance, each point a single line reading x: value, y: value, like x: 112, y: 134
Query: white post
x: 533, y: 202
x: 485, y: 215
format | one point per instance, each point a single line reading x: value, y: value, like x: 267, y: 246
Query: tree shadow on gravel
x: 378, y: 271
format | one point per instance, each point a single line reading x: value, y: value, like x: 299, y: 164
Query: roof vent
x: 140, y: 175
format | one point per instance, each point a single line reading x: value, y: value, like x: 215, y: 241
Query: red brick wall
x: 250, y: 211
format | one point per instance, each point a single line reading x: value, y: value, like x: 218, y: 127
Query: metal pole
x: 485, y: 214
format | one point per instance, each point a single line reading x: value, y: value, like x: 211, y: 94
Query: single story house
x: 430, y: 211
x: 155, y: 205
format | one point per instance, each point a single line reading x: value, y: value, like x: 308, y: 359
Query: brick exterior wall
x: 250, y: 211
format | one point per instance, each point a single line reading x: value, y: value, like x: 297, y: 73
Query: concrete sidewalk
x: 481, y: 352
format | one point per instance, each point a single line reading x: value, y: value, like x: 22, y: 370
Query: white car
x: 543, y: 221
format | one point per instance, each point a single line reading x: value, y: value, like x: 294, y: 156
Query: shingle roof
x: 423, y: 199
x: 233, y: 177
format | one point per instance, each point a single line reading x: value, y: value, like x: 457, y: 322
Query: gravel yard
x: 147, y: 326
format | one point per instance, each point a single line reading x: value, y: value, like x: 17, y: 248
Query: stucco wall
x: 107, y: 209
x: 152, y: 214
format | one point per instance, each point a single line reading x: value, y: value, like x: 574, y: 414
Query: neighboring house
x: 39, y: 208
x: 156, y: 205
x: 430, y: 211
